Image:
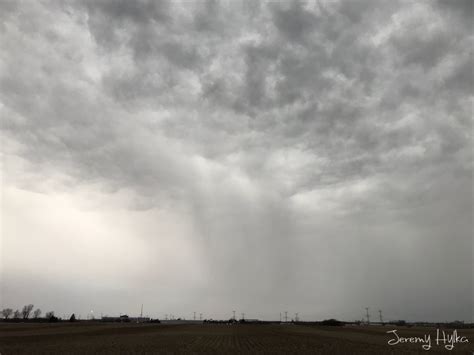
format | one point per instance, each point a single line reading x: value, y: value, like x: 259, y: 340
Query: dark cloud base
x: 325, y: 146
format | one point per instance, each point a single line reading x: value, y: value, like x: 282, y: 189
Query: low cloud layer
x: 314, y: 157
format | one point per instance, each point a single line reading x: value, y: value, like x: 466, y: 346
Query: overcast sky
x: 210, y: 156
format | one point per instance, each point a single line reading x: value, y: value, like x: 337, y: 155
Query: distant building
x: 126, y: 319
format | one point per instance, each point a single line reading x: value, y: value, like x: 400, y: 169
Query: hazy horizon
x: 304, y: 156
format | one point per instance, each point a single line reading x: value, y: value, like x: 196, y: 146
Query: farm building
x: 125, y: 318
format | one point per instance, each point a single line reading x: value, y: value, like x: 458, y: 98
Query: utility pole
x: 368, y: 316
x: 286, y: 316
x: 233, y: 314
x: 200, y: 316
x: 194, y: 316
x: 280, y: 317
x: 380, y: 315
x: 141, y: 312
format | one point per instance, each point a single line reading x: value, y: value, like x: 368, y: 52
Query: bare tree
x: 7, y: 312
x: 37, y: 313
x: 49, y: 314
x: 26, y: 311
x: 16, y: 314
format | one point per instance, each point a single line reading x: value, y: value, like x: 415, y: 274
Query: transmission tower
x: 368, y: 316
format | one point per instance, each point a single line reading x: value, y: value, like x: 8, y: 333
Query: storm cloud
x: 314, y: 157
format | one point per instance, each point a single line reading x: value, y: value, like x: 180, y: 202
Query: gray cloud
x: 297, y: 145
x: 294, y: 22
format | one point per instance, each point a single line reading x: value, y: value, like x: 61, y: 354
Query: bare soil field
x: 103, y: 338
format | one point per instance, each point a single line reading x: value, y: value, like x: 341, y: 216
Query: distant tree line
x: 27, y: 314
